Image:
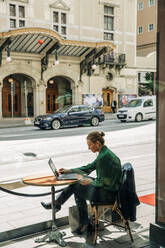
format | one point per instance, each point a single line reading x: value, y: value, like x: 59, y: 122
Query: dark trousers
x: 83, y: 193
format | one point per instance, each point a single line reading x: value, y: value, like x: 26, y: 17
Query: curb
x: 28, y: 122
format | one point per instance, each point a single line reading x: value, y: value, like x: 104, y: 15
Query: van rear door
x: 149, y: 109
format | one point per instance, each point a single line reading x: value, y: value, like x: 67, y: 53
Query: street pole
x: 12, y: 94
x: 25, y: 87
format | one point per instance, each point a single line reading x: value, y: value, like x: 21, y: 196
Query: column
x: 157, y: 229
x: 1, y: 99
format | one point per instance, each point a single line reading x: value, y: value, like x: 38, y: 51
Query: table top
x: 47, y: 180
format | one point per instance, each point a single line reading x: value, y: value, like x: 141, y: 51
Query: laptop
x: 67, y: 176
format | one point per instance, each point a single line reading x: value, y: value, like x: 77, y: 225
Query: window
x: 12, y: 10
x: 60, y: 22
x: 17, y: 16
x: 148, y: 103
x: 108, y: 23
x: 140, y: 30
x: 150, y: 27
x: 140, y: 6
x: 151, y: 3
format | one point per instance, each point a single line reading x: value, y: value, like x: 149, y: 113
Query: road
x: 21, y: 154
x: 22, y: 133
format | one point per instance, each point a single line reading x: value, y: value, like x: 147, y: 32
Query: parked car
x: 74, y: 115
x: 138, y: 109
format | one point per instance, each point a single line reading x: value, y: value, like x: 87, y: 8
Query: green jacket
x: 108, y: 170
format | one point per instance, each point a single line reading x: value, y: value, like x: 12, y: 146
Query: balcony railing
x: 114, y: 59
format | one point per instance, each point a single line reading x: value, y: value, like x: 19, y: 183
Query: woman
x: 103, y: 188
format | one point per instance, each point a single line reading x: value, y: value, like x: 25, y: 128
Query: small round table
x: 44, y: 180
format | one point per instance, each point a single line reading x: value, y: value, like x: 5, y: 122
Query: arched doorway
x: 107, y: 100
x: 17, y: 96
x: 11, y: 98
x: 58, y: 93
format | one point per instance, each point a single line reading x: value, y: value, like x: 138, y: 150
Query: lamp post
x: 12, y: 94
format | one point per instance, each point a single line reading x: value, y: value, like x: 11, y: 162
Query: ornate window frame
x: 61, y: 8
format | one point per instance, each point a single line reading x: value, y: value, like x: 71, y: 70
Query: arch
x: 58, y: 92
x: 20, y: 68
x: 17, y: 95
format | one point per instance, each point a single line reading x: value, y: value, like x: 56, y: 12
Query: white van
x: 138, y: 109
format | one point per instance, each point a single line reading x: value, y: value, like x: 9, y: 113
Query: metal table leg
x: 54, y: 235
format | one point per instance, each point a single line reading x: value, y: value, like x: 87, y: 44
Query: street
x: 30, y: 132
x: 22, y: 154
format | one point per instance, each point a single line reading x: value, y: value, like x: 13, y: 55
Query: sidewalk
x: 25, y: 219
x: 24, y: 216
x: 22, y: 121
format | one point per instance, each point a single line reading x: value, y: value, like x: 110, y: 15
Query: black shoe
x: 46, y: 205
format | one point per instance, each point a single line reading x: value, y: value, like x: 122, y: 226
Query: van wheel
x: 138, y: 117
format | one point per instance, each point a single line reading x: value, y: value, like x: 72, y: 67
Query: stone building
x: 56, y: 52
x: 146, y: 45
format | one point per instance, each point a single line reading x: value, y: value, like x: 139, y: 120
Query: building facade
x: 57, y: 52
x: 146, y: 46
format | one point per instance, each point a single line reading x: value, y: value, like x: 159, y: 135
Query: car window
x: 74, y: 109
x: 148, y: 103
x: 85, y: 108
x: 134, y: 103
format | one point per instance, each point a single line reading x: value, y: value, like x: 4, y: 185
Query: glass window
x: 63, y: 18
x: 150, y: 27
x: 140, y: 6
x: 63, y: 30
x: 140, y: 30
x: 148, y: 103
x: 108, y: 23
x: 108, y: 10
x: 108, y: 36
x: 151, y: 3
x: 12, y: 23
x: 21, y: 11
x: 55, y: 27
x: 74, y: 109
x: 12, y: 10
x: 21, y: 23
x: 55, y: 16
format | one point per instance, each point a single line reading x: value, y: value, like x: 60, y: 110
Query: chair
x: 98, y: 211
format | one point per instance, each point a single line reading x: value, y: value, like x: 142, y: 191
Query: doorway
x: 107, y: 100
x: 11, y: 103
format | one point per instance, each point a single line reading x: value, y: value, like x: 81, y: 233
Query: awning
x: 26, y: 40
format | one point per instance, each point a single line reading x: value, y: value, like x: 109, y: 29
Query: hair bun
x: 102, y: 134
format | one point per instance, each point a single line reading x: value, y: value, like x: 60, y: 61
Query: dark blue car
x: 75, y: 115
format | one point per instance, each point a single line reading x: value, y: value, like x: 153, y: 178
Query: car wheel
x: 94, y: 121
x: 123, y: 120
x: 138, y: 117
x: 56, y: 124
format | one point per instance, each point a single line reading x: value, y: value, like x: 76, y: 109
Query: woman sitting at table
x: 103, y: 188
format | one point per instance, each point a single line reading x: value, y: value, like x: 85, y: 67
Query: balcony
x: 117, y: 60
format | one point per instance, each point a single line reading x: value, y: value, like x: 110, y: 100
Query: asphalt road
x: 30, y: 132
x: 25, y: 151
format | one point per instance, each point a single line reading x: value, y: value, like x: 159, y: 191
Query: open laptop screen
x: 52, y: 166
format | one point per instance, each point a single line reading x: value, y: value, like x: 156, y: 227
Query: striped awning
x: 41, y: 40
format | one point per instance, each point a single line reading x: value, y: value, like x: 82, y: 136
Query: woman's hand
x: 63, y: 171
x: 85, y: 181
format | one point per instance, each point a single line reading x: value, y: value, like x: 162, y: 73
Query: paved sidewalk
x: 20, y: 122
x: 25, y: 216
